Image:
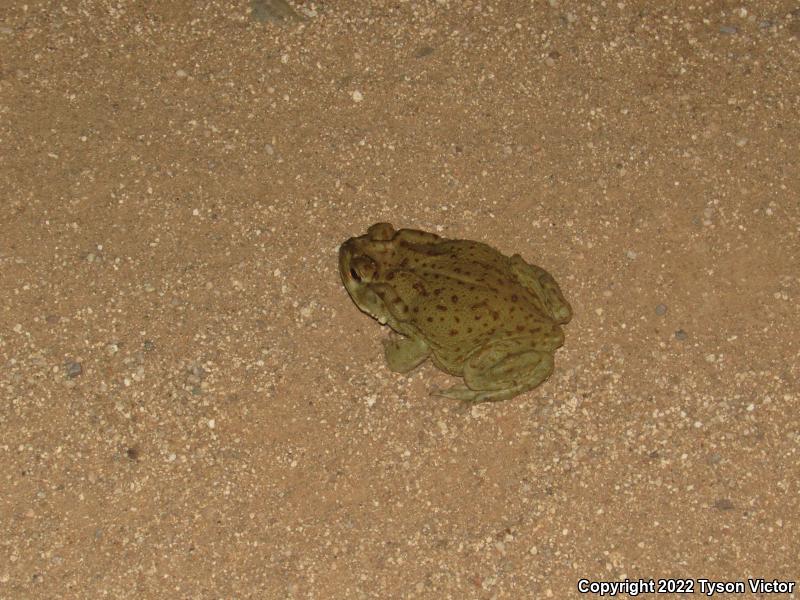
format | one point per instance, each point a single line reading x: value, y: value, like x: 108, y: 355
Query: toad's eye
x: 354, y: 274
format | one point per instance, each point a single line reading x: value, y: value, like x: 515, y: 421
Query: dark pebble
x: 661, y: 310
x: 73, y: 369
x: 723, y: 504
x: 681, y: 335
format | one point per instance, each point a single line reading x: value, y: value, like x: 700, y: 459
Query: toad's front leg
x: 403, y: 354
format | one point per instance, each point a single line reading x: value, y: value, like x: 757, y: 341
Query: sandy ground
x: 192, y: 406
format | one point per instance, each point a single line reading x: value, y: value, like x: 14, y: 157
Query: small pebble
x: 723, y: 504
x: 357, y: 96
x: 73, y: 369
x: 661, y: 310
x: 681, y: 335
x: 196, y: 373
x: 728, y: 29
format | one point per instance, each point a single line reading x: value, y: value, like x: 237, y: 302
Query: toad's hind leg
x: 499, y: 372
x: 544, y: 286
x: 403, y: 354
